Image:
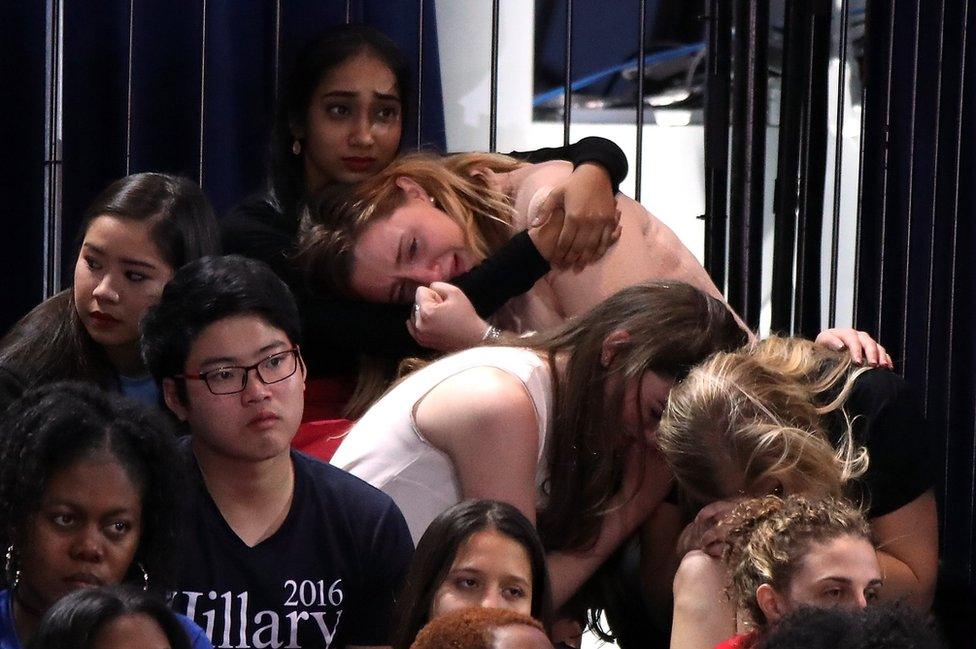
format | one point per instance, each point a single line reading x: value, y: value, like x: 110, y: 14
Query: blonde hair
x: 760, y: 412
x: 333, y: 222
x: 768, y: 537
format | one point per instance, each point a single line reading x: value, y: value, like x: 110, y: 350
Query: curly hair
x: 470, y: 628
x: 761, y: 411
x: 55, y: 425
x: 768, y: 537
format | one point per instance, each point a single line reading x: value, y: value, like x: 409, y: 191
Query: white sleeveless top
x: 385, y: 448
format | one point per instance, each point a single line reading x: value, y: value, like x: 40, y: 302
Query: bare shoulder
x: 481, y: 403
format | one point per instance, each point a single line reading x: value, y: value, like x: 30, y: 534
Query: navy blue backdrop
x: 184, y: 87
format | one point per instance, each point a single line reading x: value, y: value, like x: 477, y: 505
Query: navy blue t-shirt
x: 326, y: 578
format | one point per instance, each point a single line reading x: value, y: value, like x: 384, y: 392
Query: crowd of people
x: 406, y: 400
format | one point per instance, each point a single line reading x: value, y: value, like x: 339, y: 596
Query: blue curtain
x: 183, y: 87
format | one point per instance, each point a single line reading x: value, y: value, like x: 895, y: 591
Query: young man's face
x: 256, y: 423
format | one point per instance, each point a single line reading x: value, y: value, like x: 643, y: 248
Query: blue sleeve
x: 198, y: 639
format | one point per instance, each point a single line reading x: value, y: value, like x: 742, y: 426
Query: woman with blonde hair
x: 780, y: 554
x: 425, y: 219
x: 788, y: 416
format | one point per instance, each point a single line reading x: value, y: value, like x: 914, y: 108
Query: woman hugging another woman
x: 786, y: 416
x: 425, y: 219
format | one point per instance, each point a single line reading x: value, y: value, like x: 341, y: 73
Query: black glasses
x: 233, y: 379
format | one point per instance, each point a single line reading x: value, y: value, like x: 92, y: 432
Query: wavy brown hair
x: 768, y: 537
x: 333, y: 222
x: 671, y: 327
x: 760, y: 412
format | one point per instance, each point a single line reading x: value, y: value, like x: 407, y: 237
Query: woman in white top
x: 562, y: 428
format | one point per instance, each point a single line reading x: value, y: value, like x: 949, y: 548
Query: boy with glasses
x: 281, y: 550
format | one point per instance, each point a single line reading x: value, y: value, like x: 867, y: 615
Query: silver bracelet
x: 492, y: 334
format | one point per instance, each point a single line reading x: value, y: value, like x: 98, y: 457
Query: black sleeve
x: 888, y: 422
x: 336, y: 330
x: 511, y: 271
x: 597, y: 150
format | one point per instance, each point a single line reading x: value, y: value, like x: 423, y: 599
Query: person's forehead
x: 362, y: 72
x: 236, y: 335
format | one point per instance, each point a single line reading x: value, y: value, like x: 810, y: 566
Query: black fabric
x: 326, y: 578
x: 887, y: 420
x: 337, y: 330
x: 597, y: 150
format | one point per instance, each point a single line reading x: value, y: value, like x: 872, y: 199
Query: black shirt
x: 326, y: 578
x: 887, y: 420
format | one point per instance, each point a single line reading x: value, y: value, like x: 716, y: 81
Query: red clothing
x: 741, y: 641
x: 323, y: 427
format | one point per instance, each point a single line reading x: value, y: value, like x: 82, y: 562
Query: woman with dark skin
x: 339, y: 122
x: 90, y: 489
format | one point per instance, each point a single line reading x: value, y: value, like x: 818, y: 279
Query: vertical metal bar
x: 277, y: 50
x: 858, y: 225
x: 786, y: 195
x: 884, y: 174
x: 845, y: 13
x: 934, y: 213
x: 420, y: 71
x: 719, y: 72
x: 568, y: 83
x: 909, y: 213
x: 53, y: 109
x: 748, y: 157
x: 128, y: 93
x: 348, y: 11
x: 203, y: 87
x: 955, y: 248
x: 638, y: 168
x: 493, y: 109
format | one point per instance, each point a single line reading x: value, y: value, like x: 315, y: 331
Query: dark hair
x: 11, y: 387
x: 55, y: 425
x: 208, y: 290
x: 671, y: 326
x: 879, y: 626
x: 319, y: 57
x: 75, y: 621
x: 50, y: 343
x: 438, y: 547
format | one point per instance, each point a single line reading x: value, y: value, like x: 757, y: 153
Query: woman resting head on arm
x: 788, y: 416
x: 426, y: 219
x: 110, y: 617
x: 569, y: 421
x: 134, y: 235
x: 90, y: 486
x: 481, y: 553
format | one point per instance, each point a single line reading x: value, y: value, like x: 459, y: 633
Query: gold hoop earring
x: 145, y: 577
x: 296, y: 147
x: 13, y: 576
